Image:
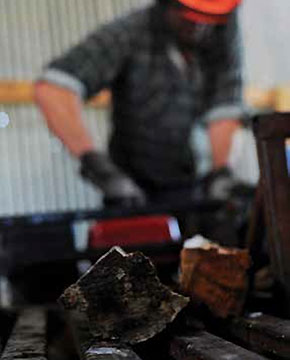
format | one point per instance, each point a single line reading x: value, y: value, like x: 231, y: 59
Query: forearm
x: 62, y: 110
x: 220, y: 134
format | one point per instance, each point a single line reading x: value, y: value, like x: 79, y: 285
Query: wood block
x: 216, y: 276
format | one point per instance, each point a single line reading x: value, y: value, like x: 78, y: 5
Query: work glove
x: 218, y: 184
x: 117, y: 187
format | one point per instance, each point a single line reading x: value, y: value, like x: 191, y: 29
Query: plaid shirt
x: 156, y: 96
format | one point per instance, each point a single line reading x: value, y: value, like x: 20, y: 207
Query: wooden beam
x: 21, y: 92
x: 28, y: 338
x: 262, y: 333
x: 88, y: 348
x: 271, y: 132
x: 205, y: 346
x: 15, y: 92
x: 260, y: 98
x: 282, y: 99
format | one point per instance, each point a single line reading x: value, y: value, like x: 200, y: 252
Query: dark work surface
x: 38, y: 219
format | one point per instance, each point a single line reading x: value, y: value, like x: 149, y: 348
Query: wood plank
x: 282, y: 99
x: 15, y: 92
x: 260, y: 98
x: 271, y: 132
x: 28, y: 338
x: 21, y: 92
x: 262, y: 333
x: 205, y: 346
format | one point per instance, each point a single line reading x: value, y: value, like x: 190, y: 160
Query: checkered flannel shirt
x: 157, y: 97
x: 128, y: 45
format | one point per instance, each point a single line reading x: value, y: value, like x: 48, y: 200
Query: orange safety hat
x: 208, y: 11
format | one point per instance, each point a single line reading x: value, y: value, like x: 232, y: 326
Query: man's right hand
x: 118, y: 188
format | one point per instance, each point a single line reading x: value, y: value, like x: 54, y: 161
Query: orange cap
x: 211, y: 7
x: 198, y: 17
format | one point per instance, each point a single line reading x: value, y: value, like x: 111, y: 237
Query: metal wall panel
x: 36, y: 172
x: 265, y: 27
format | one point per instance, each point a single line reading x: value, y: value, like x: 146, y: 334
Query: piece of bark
x: 123, y: 298
x: 215, y: 275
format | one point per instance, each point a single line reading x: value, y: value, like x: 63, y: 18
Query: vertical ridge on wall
x: 36, y: 172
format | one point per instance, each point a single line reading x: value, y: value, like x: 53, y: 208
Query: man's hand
x: 218, y: 184
x: 118, y: 188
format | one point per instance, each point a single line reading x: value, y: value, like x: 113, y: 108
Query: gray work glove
x: 218, y: 184
x: 118, y: 188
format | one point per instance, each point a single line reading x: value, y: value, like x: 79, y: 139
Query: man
x: 168, y: 66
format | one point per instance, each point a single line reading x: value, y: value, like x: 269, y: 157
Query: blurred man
x: 168, y: 66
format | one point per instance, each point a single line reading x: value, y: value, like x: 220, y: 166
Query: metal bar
x: 28, y: 339
x: 107, y: 213
x: 165, y: 254
x: 205, y: 346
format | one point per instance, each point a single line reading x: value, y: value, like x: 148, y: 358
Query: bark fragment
x: 123, y: 298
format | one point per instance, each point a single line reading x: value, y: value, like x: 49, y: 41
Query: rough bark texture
x: 215, y: 276
x: 123, y: 298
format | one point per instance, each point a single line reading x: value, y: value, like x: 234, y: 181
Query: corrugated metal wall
x: 265, y: 26
x: 36, y: 173
x: 32, y: 31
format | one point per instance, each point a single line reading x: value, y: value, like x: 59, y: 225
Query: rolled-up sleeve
x: 225, y: 99
x: 93, y: 64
